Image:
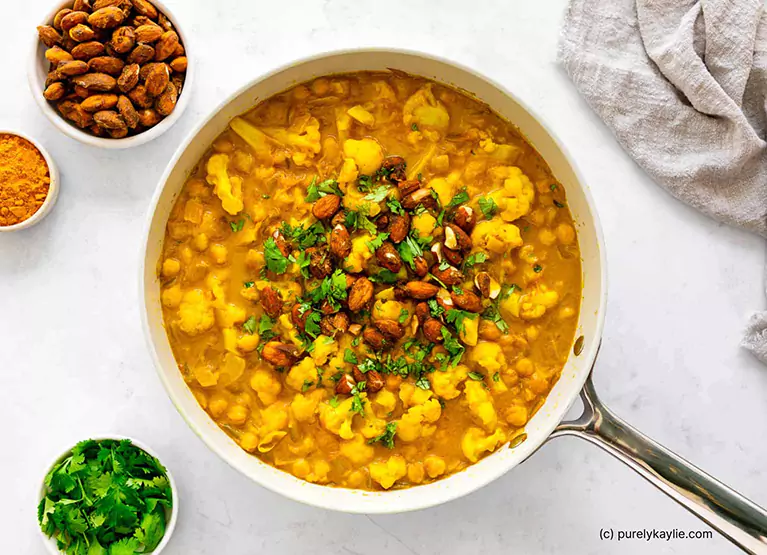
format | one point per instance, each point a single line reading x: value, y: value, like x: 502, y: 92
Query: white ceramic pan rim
x: 591, y: 321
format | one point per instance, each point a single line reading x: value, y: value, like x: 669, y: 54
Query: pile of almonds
x: 117, y: 66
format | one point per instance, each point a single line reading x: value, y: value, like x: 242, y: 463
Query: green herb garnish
x: 350, y: 356
x: 387, y: 437
x: 459, y: 199
x: 476, y: 376
x: 237, y: 226
x: 250, y: 325
x: 249, y: 284
x: 488, y: 206
x: 275, y: 261
x: 315, y: 190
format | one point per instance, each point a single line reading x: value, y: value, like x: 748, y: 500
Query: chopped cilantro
x: 312, y: 326
x: 395, y: 206
x: 558, y: 204
x: 337, y: 376
x: 537, y: 268
x: 378, y: 195
x: 364, y: 183
x: 333, y: 401
x: 331, y: 289
x: 420, y: 176
x: 384, y: 276
x: 248, y: 284
x: 435, y: 278
x: 460, y: 198
x: 368, y: 364
x: 350, y: 357
x: 315, y: 190
x: 237, y: 226
x: 441, y: 218
x: 423, y: 382
x: 306, y: 386
x: 488, y: 206
x: 303, y: 261
x: 409, y: 249
x: 553, y: 187
x: 434, y: 308
x: 473, y: 259
x: 250, y: 325
x: 358, y: 405
x: 457, y: 317
x: 403, y: 314
x: 493, y: 314
x: 376, y: 243
x: 387, y: 437
x: 452, y: 346
x: 414, y: 126
x: 444, y: 265
x: 496, y: 377
x: 275, y: 261
x: 476, y: 376
x: 457, y: 289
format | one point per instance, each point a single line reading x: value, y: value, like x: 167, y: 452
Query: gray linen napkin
x: 682, y: 85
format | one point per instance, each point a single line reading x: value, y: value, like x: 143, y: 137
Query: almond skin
x: 157, y: 79
x: 81, y: 33
x: 432, y: 329
x: 374, y: 382
x: 106, y: 64
x: 55, y: 91
x: 98, y: 102
x: 123, y: 40
x: 345, y: 385
x: 465, y: 218
x: 166, y: 46
x: 422, y: 312
x: 453, y: 257
x: 72, y: 68
x: 106, y: 18
x: 100, y: 82
x: 298, y: 317
x: 326, y: 207
x: 388, y: 257
x: 336, y: 324
x: 279, y: 354
x: 423, y: 197
x: 374, y: 338
x: 110, y: 120
x: 166, y: 102
x: 464, y: 241
x: 271, y: 302
x: 141, y: 54
x: 148, y: 117
x: 148, y: 33
x: 127, y: 111
x: 360, y: 294
x: 340, y: 242
x: 87, y: 50
x: 448, y: 276
x: 467, y: 301
x: 399, y: 226
x: 72, y: 19
x: 56, y: 55
x: 74, y: 112
x: 421, y: 266
x: 421, y: 290
x: 145, y: 8
x: 128, y: 78
x: 179, y: 64
x: 140, y: 97
x: 392, y: 329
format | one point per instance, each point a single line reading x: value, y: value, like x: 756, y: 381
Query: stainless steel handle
x: 740, y: 520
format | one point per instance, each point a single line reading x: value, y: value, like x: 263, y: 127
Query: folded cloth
x: 682, y: 85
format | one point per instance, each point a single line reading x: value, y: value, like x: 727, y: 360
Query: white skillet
x: 740, y: 520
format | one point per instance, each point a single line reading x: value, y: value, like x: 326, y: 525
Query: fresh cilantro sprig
x: 387, y: 437
x: 488, y: 206
x: 107, y: 496
x: 315, y: 191
x: 460, y: 198
x: 275, y: 261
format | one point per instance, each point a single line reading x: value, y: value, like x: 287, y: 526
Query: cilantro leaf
x: 275, y: 261
x: 237, y: 226
x: 460, y: 198
x: 537, y: 268
x: 387, y: 437
x: 423, y: 382
x: 350, y: 356
x: 403, y: 314
x: 473, y: 259
x: 312, y: 326
x: 334, y: 402
x: 384, y: 276
x: 476, y: 376
x: 376, y: 243
x: 151, y: 529
x: 456, y: 317
x: 316, y: 191
x: 378, y: 194
x: 395, y: 206
x: 307, y: 384
x: 250, y: 325
x: 496, y: 377
x: 248, y: 284
x: 488, y: 206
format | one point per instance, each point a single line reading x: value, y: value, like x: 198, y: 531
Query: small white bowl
x: 53, y: 187
x: 37, y: 72
x: 170, y: 516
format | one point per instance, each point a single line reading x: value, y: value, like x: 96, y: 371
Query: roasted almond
x: 149, y: 117
x: 345, y: 385
x: 166, y: 102
x: 340, y: 242
x: 148, y: 33
x: 106, y: 18
x: 462, y: 238
x: 449, y: 275
x: 109, y: 119
x: 279, y: 354
x: 106, y: 64
x: 465, y: 218
x: 100, y: 82
x: 81, y: 33
x: 421, y: 266
x: 282, y: 244
x: 374, y: 382
x: 487, y: 285
x: 61, y: 14
x: 72, y: 111
x: 299, y: 314
x: 98, y: 4
x: 271, y: 302
x: 55, y: 91
x: 453, y: 257
x: 360, y: 294
x: 382, y: 222
x: 141, y: 54
x: 394, y: 169
x: 127, y: 111
x: 408, y: 186
x: 179, y: 64
x: 82, y: 92
x: 157, y: 79
x: 333, y: 325
x: 388, y: 257
x: 421, y: 197
x: 432, y: 330
x: 53, y: 77
x: 98, y: 102
x: 140, y: 97
x: 145, y: 8
x: 82, y: 6
x: 72, y: 68
x: 326, y: 206
x: 421, y: 290
x: 56, y: 55
x: 118, y: 133
x: 87, y: 50
x: 392, y: 329
x: 466, y: 300
x: 72, y: 19
x: 123, y: 40
x: 399, y: 226
x: 374, y: 338
x: 128, y: 78
x: 319, y: 262
x: 422, y: 312
x: 166, y: 46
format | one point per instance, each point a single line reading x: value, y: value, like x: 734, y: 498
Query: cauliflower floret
x: 358, y: 258
x: 361, y: 115
x: 531, y: 304
x: 266, y: 385
x: 195, y: 312
x: 445, y: 384
x: 416, y: 422
x: 324, y: 347
x: 348, y: 173
x: 304, y: 407
x: 305, y: 372
x: 383, y: 92
x: 274, y: 420
x: 303, y: 136
x: 504, y: 153
x: 495, y: 236
x: 367, y: 153
x: 481, y: 404
x: 372, y: 426
x: 387, y: 310
x: 389, y: 472
x: 253, y: 136
x: 229, y: 190
x: 338, y: 420
x: 425, y: 111
x: 412, y: 395
x: 517, y: 195
x: 424, y: 224
x: 488, y: 355
x: 357, y: 450
x: 384, y: 402
x: 475, y: 442
x: 229, y: 315
x: 171, y: 296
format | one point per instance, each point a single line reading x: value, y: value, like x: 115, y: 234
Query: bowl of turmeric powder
x: 29, y: 181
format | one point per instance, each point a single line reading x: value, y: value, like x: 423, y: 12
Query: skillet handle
x: 737, y: 518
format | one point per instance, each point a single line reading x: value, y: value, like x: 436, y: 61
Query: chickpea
x: 565, y: 234
x: 546, y: 236
x: 186, y: 255
x: 393, y: 382
x: 538, y: 383
x: 222, y: 144
x: 301, y: 468
x: 254, y: 259
x: 249, y: 441
x: 434, y: 465
x: 532, y: 333
x: 516, y: 415
x: 198, y: 188
x: 170, y: 267
x: 525, y: 367
x: 217, y: 406
x: 537, y: 217
x: 551, y: 215
x: 237, y: 415
x: 489, y: 331
x: 566, y: 312
x: 415, y: 472
x: 219, y: 253
x: 242, y: 161
x: 201, y: 242
x: 356, y: 479
x: 301, y: 92
x: 247, y: 343
x: 320, y: 87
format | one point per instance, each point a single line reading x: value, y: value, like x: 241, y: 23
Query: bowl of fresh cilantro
x: 107, y: 496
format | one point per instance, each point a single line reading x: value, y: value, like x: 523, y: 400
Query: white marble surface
x: 681, y: 289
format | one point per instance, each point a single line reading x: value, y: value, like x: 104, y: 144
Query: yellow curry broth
x: 256, y: 176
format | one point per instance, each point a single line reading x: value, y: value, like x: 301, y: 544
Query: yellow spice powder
x: 24, y: 179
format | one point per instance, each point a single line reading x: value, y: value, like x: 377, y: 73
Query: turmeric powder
x: 24, y: 179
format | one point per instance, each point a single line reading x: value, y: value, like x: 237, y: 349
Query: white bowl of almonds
x: 111, y: 73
